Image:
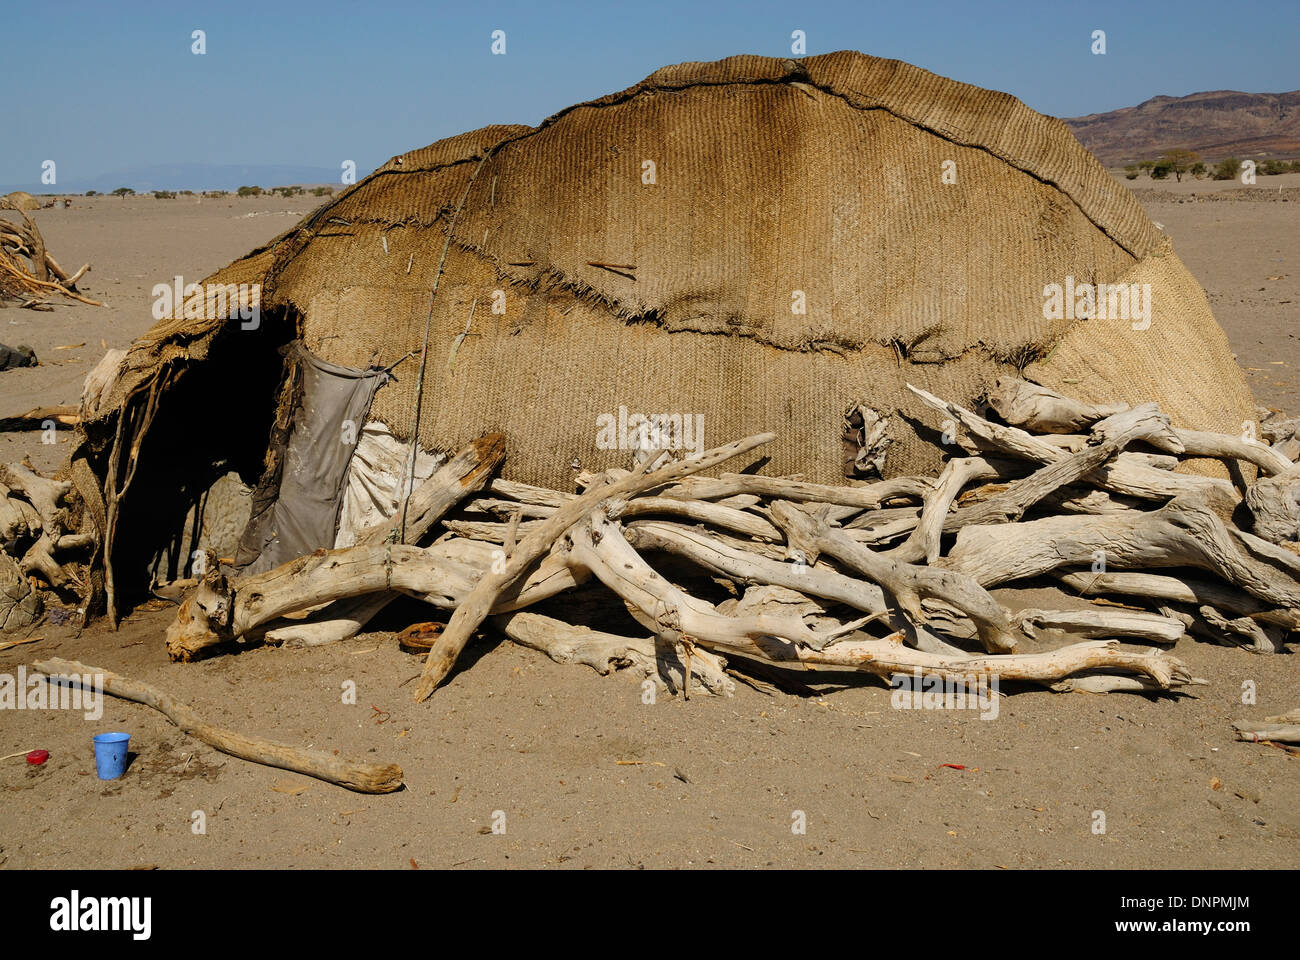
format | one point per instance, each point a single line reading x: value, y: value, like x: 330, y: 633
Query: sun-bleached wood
x: 221, y: 610
x: 361, y: 777
x: 472, y: 611
x: 465, y: 473
x: 905, y: 582
x: 1024, y: 404
x: 1183, y: 533
x: 1101, y: 622
x: 641, y: 657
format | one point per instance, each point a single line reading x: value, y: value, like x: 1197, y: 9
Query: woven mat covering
x: 797, y: 250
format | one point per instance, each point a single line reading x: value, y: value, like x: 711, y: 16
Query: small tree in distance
x: 1179, y: 162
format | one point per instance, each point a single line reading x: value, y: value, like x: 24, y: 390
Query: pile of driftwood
x: 40, y: 546
x: 28, y: 274
x: 758, y: 577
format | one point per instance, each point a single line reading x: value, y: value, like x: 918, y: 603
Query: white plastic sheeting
x: 374, y: 486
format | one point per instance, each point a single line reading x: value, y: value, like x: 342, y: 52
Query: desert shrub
x: 1198, y: 170
x: 1160, y: 171
x: 249, y: 191
x: 92, y: 193
x: 323, y: 192
x: 1131, y: 171
x: 164, y: 195
x: 1227, y: 168
x: 214, y: 194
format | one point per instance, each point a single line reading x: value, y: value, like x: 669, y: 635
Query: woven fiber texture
x: 754, y: 244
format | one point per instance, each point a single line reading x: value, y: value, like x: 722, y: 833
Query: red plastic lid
x: 37, y: 757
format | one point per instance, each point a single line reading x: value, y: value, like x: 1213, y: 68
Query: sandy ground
x: 578, y: 770
x: 1247, y: 256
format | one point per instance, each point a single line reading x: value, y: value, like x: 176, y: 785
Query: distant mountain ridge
x: 190, y: 176
x: 1216, y: 124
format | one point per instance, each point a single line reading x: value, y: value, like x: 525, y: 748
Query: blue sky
x: 314, y: 83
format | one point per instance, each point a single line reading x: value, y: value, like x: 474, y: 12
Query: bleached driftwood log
x: 598, y: 545
x: 1255, y: 637
x: 907, y: 583
x: 1033, y: 407
x: 1183, y: 533
x: 472, y: 611
x: 869, y: 497
x: 1280, y: 729
x: 489, y: 531
x: 1274, y: 504
x: 641, y: 657
x: 221, y: 610
x: 727, y: 559
x: 1112, y: 683
x: 1223, y: 446
x: 1189, y: 590
x: 923, y: 544
x: 1099, y: 622
x: 1122, y: 475
x: 1109, y: 437
x: 878, y: 527
x: 1028, y: 405
x: 61, y: 416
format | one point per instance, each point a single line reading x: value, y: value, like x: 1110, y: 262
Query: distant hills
x: 190, y: 176
x: 1216, y: 124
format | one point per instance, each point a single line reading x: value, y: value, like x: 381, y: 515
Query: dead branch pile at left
x: 29, y: 274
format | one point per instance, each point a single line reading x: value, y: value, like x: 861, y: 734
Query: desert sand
x: 584, y: 772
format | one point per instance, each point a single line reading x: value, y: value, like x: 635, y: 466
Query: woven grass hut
x: 756, y: 243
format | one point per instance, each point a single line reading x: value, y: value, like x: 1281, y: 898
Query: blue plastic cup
x: 110, y: 754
